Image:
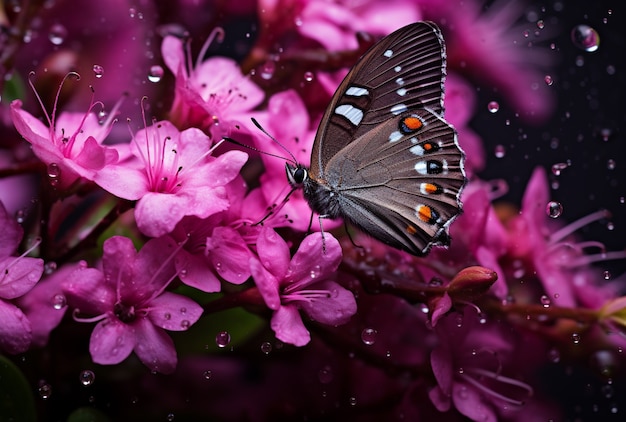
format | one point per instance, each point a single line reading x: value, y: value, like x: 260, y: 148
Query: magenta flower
x: 71, y: 146
x: 18, y: 275
x: 212, y: 95
x: 127, y: 297
x: 172, y: 176
x: 468, y: 365
x: 302, y: 283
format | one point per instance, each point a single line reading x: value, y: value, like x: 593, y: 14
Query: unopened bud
x: 471, y: 283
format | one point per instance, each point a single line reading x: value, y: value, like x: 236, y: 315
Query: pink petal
x: 335, y: 310
x: 172, y: 53
x: 318, y: 253
x: 442, y: 306
x: 535, y: 198
x: 267, y: 284
x: 15, y: 329
x: 86, y: 289
x: 231, y: 256
x: 19, y: 275
x: 288, y: 326
x: 152, y: 270
x: 440, y: 400
x: 123, y: 181
x: 111, y: 342
x: 11, y: 233
x: 441, y: 364
x: 225, y: 168
x: 470, y: 403
x: 94, y: 156
x: 196, y: 271
x: 154, y: 347
x: 174, y: 312
x: 273, y: 252
x: 118, y: 260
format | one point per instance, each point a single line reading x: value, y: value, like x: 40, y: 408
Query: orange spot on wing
x: 425, y: 213
x: 411, y: 230
x: 428, y: 146
x: 430, y: 188
x: 413, y: 123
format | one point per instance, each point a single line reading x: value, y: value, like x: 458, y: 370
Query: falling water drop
x: 266, y: 347
x: 222, y: 339
x: 98, y: 70
x: 156, y: 74
x: 368, y: 336
x: 493, y: 106
x: 548, y: 80
x: 554, y: 209
x: 59, y: 301
x: 308, y: 76
x: 87, y: 377
x: 57, y: 34
x: 499, y: 151
x: 586, y: 38
x: 268, y: 69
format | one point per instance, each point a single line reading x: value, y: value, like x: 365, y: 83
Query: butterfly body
x: 384, y: 158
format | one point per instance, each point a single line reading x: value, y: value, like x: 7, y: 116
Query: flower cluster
x: 150, y: 233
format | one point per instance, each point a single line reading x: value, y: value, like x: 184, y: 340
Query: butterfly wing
x: 401, y: 181
x: 405, y: 70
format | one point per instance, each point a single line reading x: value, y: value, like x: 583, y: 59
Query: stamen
x: 164, y: 264
x: 36, y: 243
x: 218, y: 35
x: 76, y: 318
x: 581, y: 222
x: 505, y: 380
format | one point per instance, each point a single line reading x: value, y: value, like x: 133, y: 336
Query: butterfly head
x: 297, y: 174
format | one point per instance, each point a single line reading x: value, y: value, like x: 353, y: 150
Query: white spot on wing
x: 353, y: 114
x: 388, y: 53
x: 417, y: 150
x: 355, y: 91
x: 395, y: 136
x: 398, y: 108
x: 400, y: 81
x: 401, y: 92
x: 397, y: 68
x: 421, y: 167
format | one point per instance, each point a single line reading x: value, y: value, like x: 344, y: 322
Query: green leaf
x: 13, y: 88
x: 16, y: 397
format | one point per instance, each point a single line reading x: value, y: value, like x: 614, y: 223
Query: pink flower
x: 217, y: 247
x: 127, y: 297
x: 172, y: 176
x: 212, y: 95
x: 71, y: 146
x: 18, y: 275
x: 468, y: 365
x: 302, y: 283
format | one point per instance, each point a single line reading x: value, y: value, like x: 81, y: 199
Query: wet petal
x: 111, y: 342
x: 288, y: 326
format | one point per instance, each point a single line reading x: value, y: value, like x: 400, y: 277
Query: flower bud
x: 471, y: 283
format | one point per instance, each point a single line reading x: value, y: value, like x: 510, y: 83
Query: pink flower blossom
x: 127, y: 297
x: 468, y: 365
x: 217, y: 247
x: 71, y: 146
x: 18, y: 275
x: 302, y: 283
x: 211, y: 95
x: 172, y: 176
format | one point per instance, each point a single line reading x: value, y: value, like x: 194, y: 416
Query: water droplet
x: 308, y: 76
x: 86, y: 377
x: 132, y: 12
x: 352, y: 401
x: 368, y: 336
x: 558, y: 167
x: 545, y: 301
x: 207, y: 374
x: 548, y: 80
x: 57, y: 34
x: 222, y: 339
x: 156, y: 73
x: 540, y: 24
x: 170, y: 417
x: 554, y: 209
x: 20, y: 215
x: 576, y: 338
x: 268, y: 69
x: 499, y: 151
x: 610, y: 164
x: 54, y: 171
x: 526, y: 33
x: 266, y: 347
x: 325, y: 375
x: 58, y: 301
x: 554, y: 355
x: 605, y: 134
x: 98, y: 70
x: 610, y: 69
x: 586, y: 38
x: 607, y: 275
x: 493, y: 106
x: 49, y: 267
x: 44, y: 390
x: 185, y: 324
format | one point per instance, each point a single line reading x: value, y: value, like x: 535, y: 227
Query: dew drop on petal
x: 54, y: 171
x: 266, y: 347
x: 499, y: 151
x: 58, y: 301
x: 352, y: 401
x: 155, y: 74
x: 586, y: 38
x: 86, y: 377
x: 308, y: 76
x: 185, y: 324
x: 170, y: 417
x: 541, y: 24
x: 57, y: 34
x: 493, y: 106
x: 368, y: 336
x: 605, y: 134
x: 50, y: 267
x: 98, y: 70
x: 222, y: 339
x: 554, y: 209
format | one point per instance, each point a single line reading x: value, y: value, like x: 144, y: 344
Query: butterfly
x: 384, y: 158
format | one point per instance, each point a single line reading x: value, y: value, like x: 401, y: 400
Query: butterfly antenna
x: 258, y: 125
x: 241, y: 144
